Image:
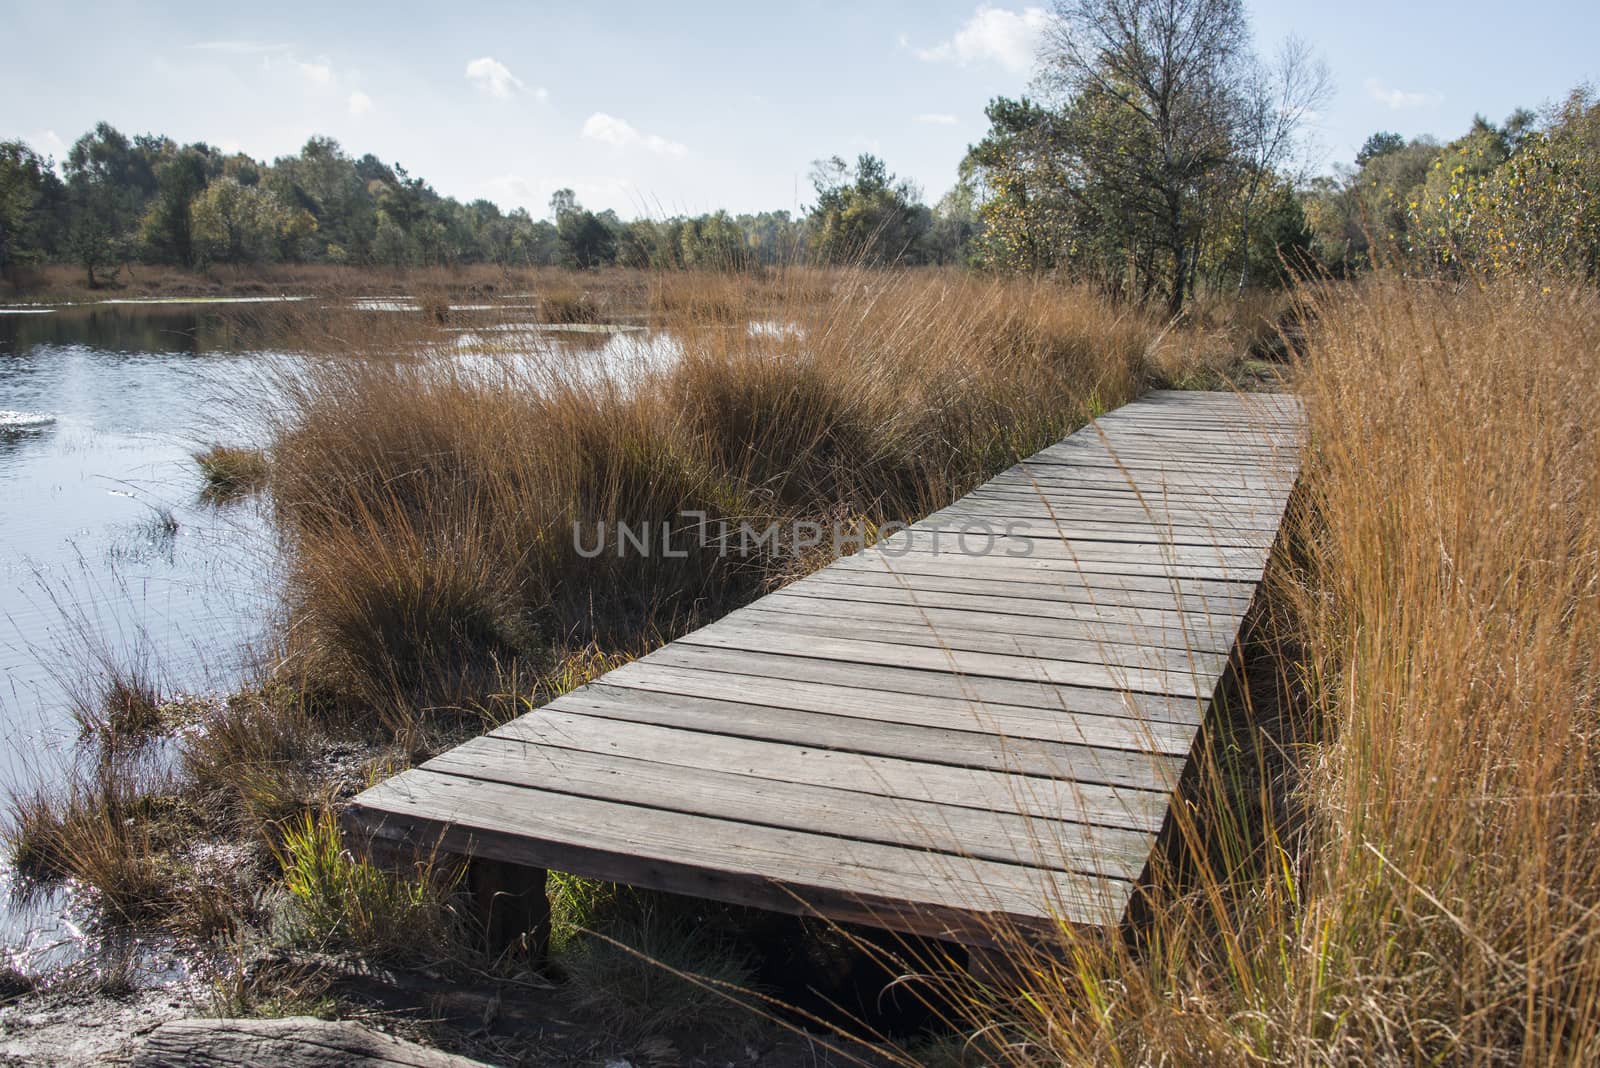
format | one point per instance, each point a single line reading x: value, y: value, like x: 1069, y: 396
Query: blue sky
x: 656, y: 108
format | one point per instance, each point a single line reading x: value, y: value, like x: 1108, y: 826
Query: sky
x: 653, y: 108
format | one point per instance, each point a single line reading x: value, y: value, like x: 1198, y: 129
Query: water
x: 106, y: 548
x: 108, y: 552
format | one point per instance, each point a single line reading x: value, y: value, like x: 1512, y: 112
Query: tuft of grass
x: 255, y: 757
x: 567, y: 304
x: 116, y: 828
x: 344, y: 902
x: 232, y: 471
x: 126, y: 707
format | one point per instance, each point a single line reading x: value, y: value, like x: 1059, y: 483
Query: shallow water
x: 108, y: 551
x: 106, y: 547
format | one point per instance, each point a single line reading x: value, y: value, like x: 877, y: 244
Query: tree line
x: 1159, y: 154
x: 147, y: 199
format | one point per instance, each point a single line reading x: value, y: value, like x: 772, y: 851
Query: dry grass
x: 1409, y: 875
x: 430, y: 502
x: 231, y: 471
x: 113, y: 827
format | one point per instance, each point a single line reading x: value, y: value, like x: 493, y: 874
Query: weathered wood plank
x: 1199, y: 635
x: 1111, y: 508
x: 794, y: 700
x: 1085, y: 784
x: 922, y: 572
x: 1107, y: 575
x: 909, y: 682
x: 1141, y: 530
x: 989, y: 544
x: 1054, y: 610
x: 1154, y: 499
x: 958, y: 661
x: 1006, y: 837
x: 1218, y: 478
x: 974, y: 743
x: 913, y: 890
x: 1149, y: 656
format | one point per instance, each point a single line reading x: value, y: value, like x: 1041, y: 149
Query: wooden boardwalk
x: 928, y: 735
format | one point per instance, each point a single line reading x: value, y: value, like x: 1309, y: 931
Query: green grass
x: 342, y: 902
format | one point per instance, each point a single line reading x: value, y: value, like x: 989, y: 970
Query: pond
x: 108, y: 549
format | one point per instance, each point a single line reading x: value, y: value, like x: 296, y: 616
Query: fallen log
x: 291, y: 1042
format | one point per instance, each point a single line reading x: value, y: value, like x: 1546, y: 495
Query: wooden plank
x: 795, y: 698
x: 791, y: 871
x: 1146, y: 656
x: 1041, y: 569
x: 1131, y: 514
x: 845, y: 587
x: 1119, y: 444
x: 1216, y: 478
x: 992, y: 665
x: 974, y: 744
x: 1188, y: 415
x: 1008, y: 837
x: 1121, y: 493
x: 923, y: 572
x: 984, y: 545
x: 997, y: 506
x: 1159, y: 486
x: 912, y: 683
x: 1160, y: 431
x: 1122, y: 788
x: 1200, y: 634
x: 1141, y: 530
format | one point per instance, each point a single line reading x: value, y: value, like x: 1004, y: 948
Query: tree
x: 31, y: 200
x: 864, y: 214
x: 586, y: 241
x: 584, y: 238
x: 1019, y: 175
x: 237, y: 223
x: 1276, y: 101
x: 563, y: 202
x: 106, y: 184
x: 1154, y: 88
x: 1379, y: 144
x: 1533, y: 214
x: 166, y: 230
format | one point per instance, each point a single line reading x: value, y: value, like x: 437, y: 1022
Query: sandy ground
x: 62, y: 1030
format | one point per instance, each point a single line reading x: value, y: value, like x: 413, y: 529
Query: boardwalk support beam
x: 512, y: 907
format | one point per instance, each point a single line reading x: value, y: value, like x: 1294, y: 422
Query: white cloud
x: 934, y: 118
x: 360, y: 103
x: 610, y: 130
x: 317, y: 72
x: 496, y: 79
x: 991, y: 35
x: 1400, y: 99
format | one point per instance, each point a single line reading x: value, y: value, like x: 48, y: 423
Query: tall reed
x: 1410, y: 873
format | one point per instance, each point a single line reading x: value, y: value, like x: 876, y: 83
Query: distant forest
x: 1153, y: 178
